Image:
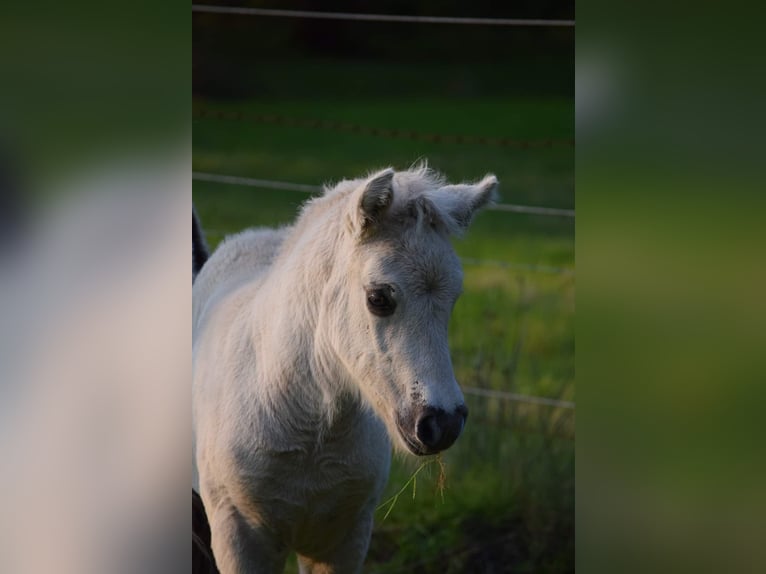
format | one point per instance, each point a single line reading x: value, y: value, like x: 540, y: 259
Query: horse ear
x: 467, y: 199
x: 376, y: 197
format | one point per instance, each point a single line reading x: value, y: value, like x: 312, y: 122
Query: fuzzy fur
x: 299, y: 390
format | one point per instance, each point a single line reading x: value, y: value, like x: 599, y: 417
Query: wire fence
x: 363, y: 17
x: 305, y: 188
x: 506, y: 396
x: 391, y: 133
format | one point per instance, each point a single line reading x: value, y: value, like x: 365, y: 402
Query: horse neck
x: 303, y: 369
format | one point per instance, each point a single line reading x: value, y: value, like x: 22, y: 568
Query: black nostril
x: 437, y: 429
x: 428, y: 429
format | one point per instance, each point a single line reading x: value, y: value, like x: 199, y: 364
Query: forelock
x: 417, y: 201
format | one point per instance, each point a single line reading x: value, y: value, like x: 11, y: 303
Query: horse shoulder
x: 239, y: 259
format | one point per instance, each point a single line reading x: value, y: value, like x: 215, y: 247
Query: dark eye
x: 379, y: 301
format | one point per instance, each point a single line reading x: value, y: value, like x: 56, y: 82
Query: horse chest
x: 315, y: 499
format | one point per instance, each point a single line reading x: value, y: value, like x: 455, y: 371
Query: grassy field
x: 508, y: 501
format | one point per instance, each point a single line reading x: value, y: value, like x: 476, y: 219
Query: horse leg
x: 347, y: 557
x: 240, y: 548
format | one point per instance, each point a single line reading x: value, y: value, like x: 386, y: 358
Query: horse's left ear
x: 374, y: 199
x: 466, y: 199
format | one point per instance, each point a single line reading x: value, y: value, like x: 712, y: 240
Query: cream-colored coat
x: 299, y: 389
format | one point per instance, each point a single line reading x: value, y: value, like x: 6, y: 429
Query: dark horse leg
x: 200, y: 252
x: 202, y: 554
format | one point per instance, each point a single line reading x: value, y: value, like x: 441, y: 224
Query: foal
x: 314, y: 348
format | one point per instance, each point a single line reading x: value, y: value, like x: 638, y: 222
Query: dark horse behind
x: 202, y: 554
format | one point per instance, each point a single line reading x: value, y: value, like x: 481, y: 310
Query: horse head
x: 387, y: 307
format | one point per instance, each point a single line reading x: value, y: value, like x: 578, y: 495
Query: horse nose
x: 437, y: 429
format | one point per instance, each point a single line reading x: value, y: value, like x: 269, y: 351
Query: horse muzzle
x: 430, y: 430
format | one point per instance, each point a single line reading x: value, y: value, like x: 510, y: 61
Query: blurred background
x: 284, y: 104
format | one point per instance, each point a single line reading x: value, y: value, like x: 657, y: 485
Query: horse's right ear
x: 373, y: 201
x: 464, y: 200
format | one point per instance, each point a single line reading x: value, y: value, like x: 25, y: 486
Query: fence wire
x: 391, y: 133
x: 514, y: 397
x: 305, y: 188
x: 361, y: 17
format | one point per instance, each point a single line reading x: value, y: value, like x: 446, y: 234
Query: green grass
x: 508, y: 504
